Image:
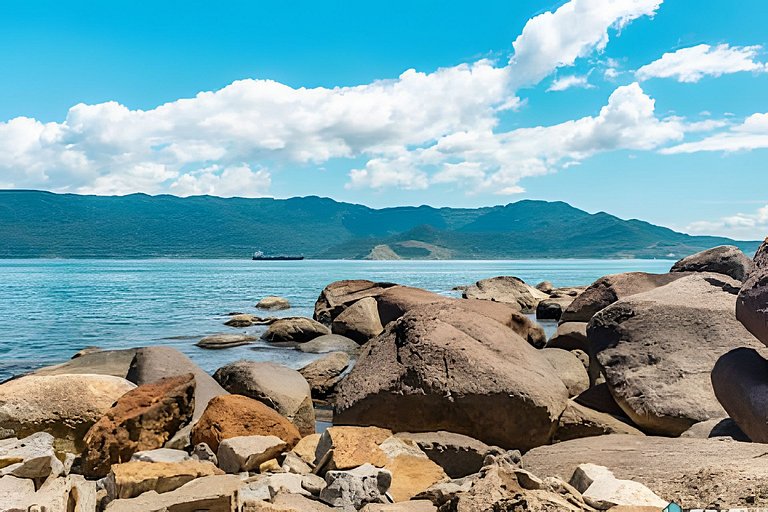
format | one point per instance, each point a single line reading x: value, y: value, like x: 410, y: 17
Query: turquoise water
x: 50, y: 309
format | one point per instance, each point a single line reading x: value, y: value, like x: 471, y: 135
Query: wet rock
x: 242, y: 320
x: 279, y: 387
x: 724, y: 259
x: 296, y: 329
x: 444, y: 367
x: 273, y: 303
x: 234, y: 415
x: 65, y: 406
x: 219, y: 341
x: 142, y: 419
x: 330, y: 343
x: 360, y: 321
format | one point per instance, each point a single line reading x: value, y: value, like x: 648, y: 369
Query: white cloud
x: 694, y: 63
x: 237, y: 180
x: 579, y: 27
x: 484, y: 161
x: 751, y: 134
x: 744, y: 226
x: 569, y: 81
x: 223, y: 142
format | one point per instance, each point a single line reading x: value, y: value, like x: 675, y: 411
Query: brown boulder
x: 142, y: 419
x: 752, y: 302
x: 608, y: 289
x: 441, y: 367
x: 579, y: 421
x: 281, y: 388
x: 325, y: 373
x: 657, y: 350
x: 294, y: 329
x: 568, y: 368
x: 235, y: 415
x: 338, y: 295
x: 740, y: 381
x: 724, y: 259
x: 360, y: 321
x: 507, y: 289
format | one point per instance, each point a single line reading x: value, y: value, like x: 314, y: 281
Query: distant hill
x: 37, y: 224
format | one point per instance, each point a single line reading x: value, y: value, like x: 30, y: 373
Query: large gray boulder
x: 507, y: 289
x: 151, y: 364
x: 695, y: 473
x: 325, y: 373
x: 608, y: 289
x: 441, y: 367
x: 657, y: 349
x: 281, y: 388
x: 723, y: 259
x: 740, y: 381
x: 568, y: 368
x: 330, y: 343
x: 752, y: 303
x: 99, y: 362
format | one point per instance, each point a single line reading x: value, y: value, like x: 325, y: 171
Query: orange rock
x: 350, y: 447
x: 142, y: 419
x: 236, y: 415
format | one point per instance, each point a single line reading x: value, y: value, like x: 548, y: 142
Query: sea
x: 50, y: 309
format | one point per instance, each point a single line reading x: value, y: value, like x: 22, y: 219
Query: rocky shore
x: 654, y: 389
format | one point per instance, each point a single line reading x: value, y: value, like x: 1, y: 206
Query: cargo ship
x: 260, y: 256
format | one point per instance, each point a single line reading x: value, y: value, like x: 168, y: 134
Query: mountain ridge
x: 39, y: 224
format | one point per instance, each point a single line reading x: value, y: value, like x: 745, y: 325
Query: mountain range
x: 36, y: 224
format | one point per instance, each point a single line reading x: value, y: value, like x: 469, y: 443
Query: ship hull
x: 277, y: 258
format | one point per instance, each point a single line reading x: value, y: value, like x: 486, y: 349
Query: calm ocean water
x: 50, y: 309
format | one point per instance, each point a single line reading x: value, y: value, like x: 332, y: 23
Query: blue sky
x: 646, y: 109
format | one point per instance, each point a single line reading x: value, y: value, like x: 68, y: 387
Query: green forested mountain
x: 37, y: 224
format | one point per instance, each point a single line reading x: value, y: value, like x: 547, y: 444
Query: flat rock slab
x: 225, y: 340
x: 695, y: 473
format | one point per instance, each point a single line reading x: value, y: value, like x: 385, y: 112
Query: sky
x: 649, y: 109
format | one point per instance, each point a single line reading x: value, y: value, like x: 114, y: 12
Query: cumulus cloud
x: 223, y: 142
x: 555, y: 39
x: 751, y: 134
x: 569, y: 81
x: 694, y: 63
x: 746, y: 226
x: 484, y: 161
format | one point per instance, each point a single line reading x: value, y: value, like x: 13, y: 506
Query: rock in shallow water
x: 296, y: 329
x: 509, y: 290
x: 273, y: 302
x: 219, y: 341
